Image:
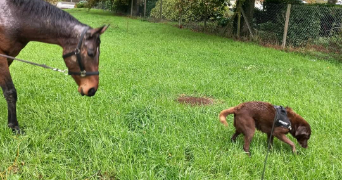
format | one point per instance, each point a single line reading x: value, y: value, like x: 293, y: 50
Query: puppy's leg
x: 246, y: 125
x: 235, y: 135
x: 238, y: 129
x: 249, y: 133
x: 286, y: 140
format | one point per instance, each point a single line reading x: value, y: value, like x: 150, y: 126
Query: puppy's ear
x: 301, y: 130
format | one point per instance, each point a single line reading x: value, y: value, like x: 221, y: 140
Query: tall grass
x: 134, y: 129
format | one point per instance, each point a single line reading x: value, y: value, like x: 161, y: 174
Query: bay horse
x: 22, y: 21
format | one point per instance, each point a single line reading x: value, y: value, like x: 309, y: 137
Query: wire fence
x: 306, y: 25
x: 277, y: 24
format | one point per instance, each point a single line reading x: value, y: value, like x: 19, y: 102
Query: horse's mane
x: 40, y: 9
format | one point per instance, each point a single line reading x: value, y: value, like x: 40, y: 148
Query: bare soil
x: 195, y: 101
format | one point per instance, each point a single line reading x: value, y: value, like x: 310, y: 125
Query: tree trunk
x: 135, y: 11
x: 248, y: 7
x: 137, y: 7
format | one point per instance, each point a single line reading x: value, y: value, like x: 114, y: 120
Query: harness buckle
x: 77, y: 51
x: 83, y: 73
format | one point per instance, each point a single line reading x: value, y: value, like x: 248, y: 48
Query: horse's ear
x: 99, y: 30
x: 103, y: 28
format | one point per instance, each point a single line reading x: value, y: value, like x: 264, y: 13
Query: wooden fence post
x: 145, y: 9
x: 205, y: 16
x: 132, y: 8
x: 161, y: 9
x: 239, y: 18
x: 286, y: 25
x: 180, y: 19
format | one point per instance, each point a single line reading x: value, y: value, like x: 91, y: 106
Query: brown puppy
x: 260, y: 115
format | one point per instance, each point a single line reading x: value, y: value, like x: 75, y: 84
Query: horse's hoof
x: 15, y: 128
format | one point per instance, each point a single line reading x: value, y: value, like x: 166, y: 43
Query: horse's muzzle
x: 91, y: 92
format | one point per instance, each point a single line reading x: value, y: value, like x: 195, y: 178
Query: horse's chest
x: 9, y: 44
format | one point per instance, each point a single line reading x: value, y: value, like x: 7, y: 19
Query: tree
x: 189, y: 10
x: 122, y: 6
x: 247, y: 7
x: 332, y: 1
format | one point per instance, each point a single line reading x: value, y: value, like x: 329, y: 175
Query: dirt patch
x: 195, y: 101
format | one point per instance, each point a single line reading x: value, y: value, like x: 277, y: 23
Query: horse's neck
x: 36, y: 20
x: 53, y: 35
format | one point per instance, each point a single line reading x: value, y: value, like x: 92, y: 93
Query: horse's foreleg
x: 10, y: 94
x: 11, y: 98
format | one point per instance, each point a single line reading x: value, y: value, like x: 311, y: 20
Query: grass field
x: 134, y: 129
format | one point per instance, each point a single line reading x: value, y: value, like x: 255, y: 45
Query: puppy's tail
x: 224, y: 114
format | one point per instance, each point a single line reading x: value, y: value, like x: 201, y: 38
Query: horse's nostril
x: 91, y: 92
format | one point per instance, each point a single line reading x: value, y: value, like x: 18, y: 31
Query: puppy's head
x: 302, y: 135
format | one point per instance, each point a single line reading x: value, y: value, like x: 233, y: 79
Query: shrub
x: 304, y: 24
x: 189, y: 10
x: 82, y: 4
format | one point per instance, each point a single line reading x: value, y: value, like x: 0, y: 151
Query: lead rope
x: 269, y: 143
x: 35, y: 64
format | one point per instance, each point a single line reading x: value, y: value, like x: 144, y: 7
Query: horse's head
x: 83, y: 62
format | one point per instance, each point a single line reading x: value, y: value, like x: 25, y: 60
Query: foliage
x: 82, y: 4
x: 112, y: 5
x: 282, y: 2
x: 310, y: 17
x: 149, y: 6
x: 134, y: 129
x: 270, y: 22
x: 106, y: 4
x: 332, y: 1
x: 189, y: 10
x: 92, y: 3
x: 52, y: 1
x: 122, y: 5
x: 168, y: 9
x: 306, y: 23
x: 332, y: 43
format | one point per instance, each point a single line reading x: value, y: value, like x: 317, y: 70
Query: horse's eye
x: 91, y: 53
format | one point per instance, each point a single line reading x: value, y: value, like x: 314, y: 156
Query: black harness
x: 77, y: 53
x: 281, y: 119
